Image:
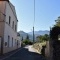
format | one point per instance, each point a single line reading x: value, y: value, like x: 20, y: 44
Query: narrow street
x: 25, y: 54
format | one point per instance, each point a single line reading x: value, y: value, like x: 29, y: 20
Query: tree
x: 57, y: 22
x: 43, y: 38
x: 27, y: 37
x: 40, y: 38
x: 27, y: 42
x: 46, y: 37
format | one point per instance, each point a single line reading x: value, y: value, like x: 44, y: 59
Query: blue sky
x: 47, y: 12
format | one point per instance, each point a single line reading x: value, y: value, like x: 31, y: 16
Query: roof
x: 13, y: 9
x: 4, y: 0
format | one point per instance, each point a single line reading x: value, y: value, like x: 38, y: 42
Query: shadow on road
x: 24, y: 54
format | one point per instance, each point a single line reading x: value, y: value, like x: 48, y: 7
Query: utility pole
x: 33, y: 24
x: 33, y: 35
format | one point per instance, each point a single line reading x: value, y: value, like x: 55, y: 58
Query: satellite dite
x: 4, y: 0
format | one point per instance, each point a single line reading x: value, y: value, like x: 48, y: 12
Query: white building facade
x: 18, y: 40
x: 8, y: 27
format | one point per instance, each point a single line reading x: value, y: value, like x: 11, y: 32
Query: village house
x: 8, y: 27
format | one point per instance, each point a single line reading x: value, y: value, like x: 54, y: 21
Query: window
x: 8, y: 40
x: 15, y: 41
x: 5, y: 43
x: 13, y: 25
x: 12, y: 41
x: 9, y: 20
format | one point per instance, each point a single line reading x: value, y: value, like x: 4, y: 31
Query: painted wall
x: 2, y: 19
x: 6, y: 10
x: 9, y: 31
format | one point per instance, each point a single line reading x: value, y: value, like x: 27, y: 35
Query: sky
x: 47, y: 11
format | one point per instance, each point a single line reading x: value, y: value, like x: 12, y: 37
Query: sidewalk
x: 8, y: 54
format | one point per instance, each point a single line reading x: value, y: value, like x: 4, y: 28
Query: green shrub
x: 27, y: 42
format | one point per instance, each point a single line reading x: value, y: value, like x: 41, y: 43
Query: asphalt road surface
x: 25, y: 54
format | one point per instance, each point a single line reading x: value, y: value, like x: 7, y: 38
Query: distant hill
x: 24, y: 35
x: 37, y: 33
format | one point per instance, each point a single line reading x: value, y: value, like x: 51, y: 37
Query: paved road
x: 24, y: 54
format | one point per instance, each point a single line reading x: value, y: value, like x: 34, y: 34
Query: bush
x: 27, y: 42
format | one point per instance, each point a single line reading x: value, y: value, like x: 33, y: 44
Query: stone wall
x: 47, y: 51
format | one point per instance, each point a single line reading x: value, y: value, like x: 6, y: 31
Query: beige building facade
x: 8, y: 27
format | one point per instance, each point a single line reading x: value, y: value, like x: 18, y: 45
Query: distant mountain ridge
x: 24, y: 35
x: 40, y: 32
x: 30, y: 34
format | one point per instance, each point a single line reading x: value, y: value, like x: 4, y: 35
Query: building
x: 18, y: 40
x: 8, y: 27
